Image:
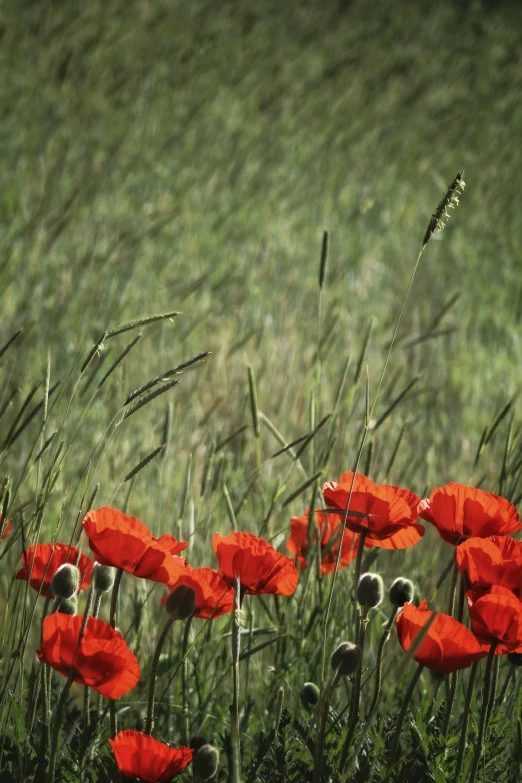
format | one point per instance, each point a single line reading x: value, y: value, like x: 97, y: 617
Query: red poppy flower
x: 496, y: 560
x: 8, y: 529
x: 391, y: 511
x: 329, y: 526
x: 459, y: 511
x: 496, y: 615
x: 261, y: 569
x: 124, y: 542
x: 103, y: 661
x: 213, y: 596
x: 448, y: 645
x: 43, y: 560
x: 140, y: 756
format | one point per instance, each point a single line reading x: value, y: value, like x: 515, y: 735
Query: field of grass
x: 162, y: 158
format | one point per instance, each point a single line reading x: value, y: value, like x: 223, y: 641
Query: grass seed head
x: 66, y: 581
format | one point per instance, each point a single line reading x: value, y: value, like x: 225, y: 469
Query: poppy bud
x: 197, y: 741
x: 103, y: 577
x: 515, y: 658
x: 370, y: 590
x: 401, y: 591
x: 65, y: 581
x: 68, y: 605
x: 181, y: 602
x: 346, y: 658
x: 205, y: 762
x: 310, y: 694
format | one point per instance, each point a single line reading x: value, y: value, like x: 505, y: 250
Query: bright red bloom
x: 43, y: 560
x: 496, y: 560
x: 213, y: 596
x: 496, y: 615
x: 447, y: 646
x: 103, y: 661
x: 140, y: 756
x: 391, y: 511
x: 124, y: 542
x: 261, y: 569
x: 329, y: 526
x: 459, y: 511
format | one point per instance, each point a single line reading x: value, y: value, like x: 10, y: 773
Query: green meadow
x: 168, y: 172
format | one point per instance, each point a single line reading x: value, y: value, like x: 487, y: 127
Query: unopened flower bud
x: 310, y: 694
x: 197, y: 741
x: 515, y: 659
x: 205, y: 762
x: 401, y: 591
x: 65, y: 581
x: 68, y: 605
x: 370, y: 590
x: 346, y: 658
x: 181, y: 602
x: 103, y: 577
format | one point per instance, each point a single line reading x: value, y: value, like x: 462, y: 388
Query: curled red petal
x: 141, y: 756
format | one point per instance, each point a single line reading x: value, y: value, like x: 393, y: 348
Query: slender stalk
x: 235, y: 768
x: 112, y: 621
x: 465, y: 721
x: 484, y: 715
x: 353, y: 717
x: 453, y: 589
x: 507, y: 683
x: 324, y: 705
x: 149, y: 724
x: 493, y: 692
x: 184, y: 681
x: 402, y: 715
x: 86, y: 689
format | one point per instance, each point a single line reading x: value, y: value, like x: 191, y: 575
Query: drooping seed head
x: 370, y: 590
x: 346, y: 658
x: 401, y: 591
x: 65, y: 581
x: 205, y: 763
x: 310, y: 694
x: 103, y: 577
x: 181, y: 602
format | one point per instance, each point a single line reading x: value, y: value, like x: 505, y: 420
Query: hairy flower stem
x: 402, y: 715
x: 356, y: 577
x: 149, y: 723
x: 60, y: 707
x: 86, y: 689
x: 453, y: 589
x: 235, y: 770
x: 484, y: 715
x: 323, y: 708
x: 112, y: 621
x: 493, y: 692
x: 184, y: 681
x: 375, y: 700
x: 353, y: 717
x: 465, y: 721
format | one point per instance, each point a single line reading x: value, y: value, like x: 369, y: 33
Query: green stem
x: 453, y: 589
x: 235, y: 767
x: 353, y: 717
x: 184, y: 681
x: 402, y: 715
x: 112, y: 621
x: 86, y: 689
x: 493, y: 692
x: 450, y: 701
x: 149, y: 724
x: 484, y: 715
x: 324, y: 705
x: 465, y: 721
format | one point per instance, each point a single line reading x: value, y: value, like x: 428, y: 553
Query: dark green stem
x: 184, y: 681
x: 353, y: 717
x: 149, y: 724
x: 86, y: 689
x: 451, y: 691
x: 484, y: 715
x: 465, y: 721
x: 453, y: 589
x: 324, y: 706
x: 112, y: 620
x: 402, y: 715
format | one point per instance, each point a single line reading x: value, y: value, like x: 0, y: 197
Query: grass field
x: 164, y: 158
